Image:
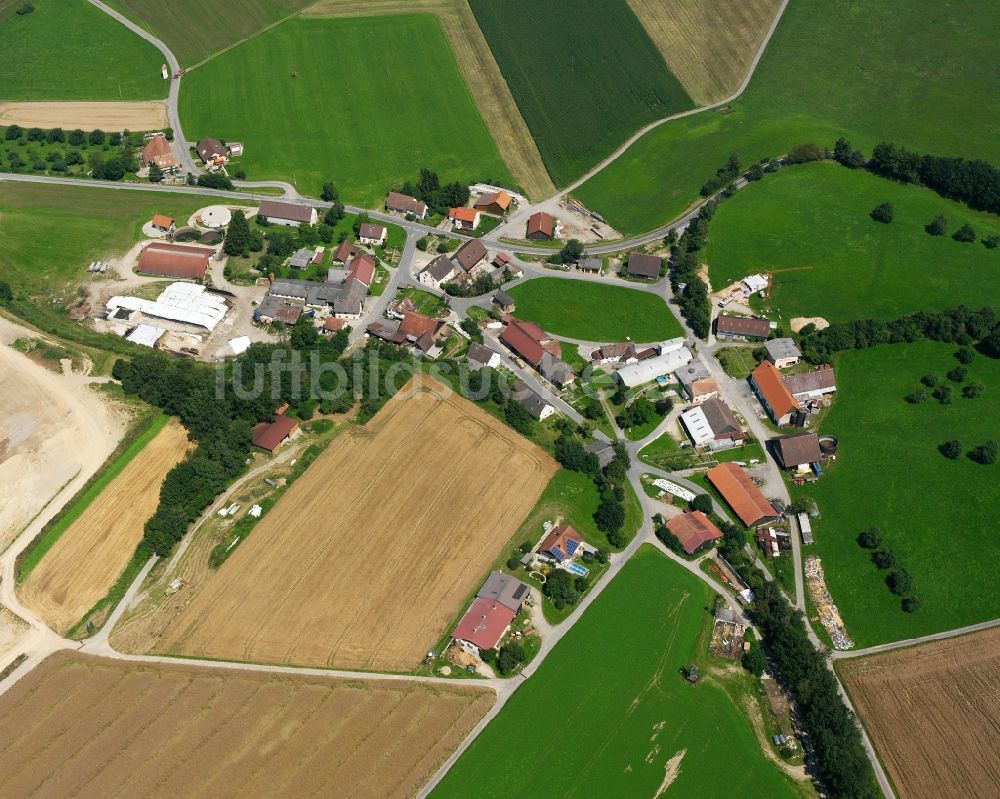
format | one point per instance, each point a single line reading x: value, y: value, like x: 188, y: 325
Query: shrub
x: 911, y: 604
x: 972, y: 390
x: 510, y: 657
x: 916, y: 397
x: 702, y: 502
x: 958, y: 374
x: 991, y: 242
x: 513, y: 563
x: 965, y: 234
x: 804, y: 153
x: 986, y: 453
x: 870, y: 538
x: 24, y: 8
x: 951, y: 449
x: 938, y: 226
x: 929, y: 380
x: 423, y: 243
x: 6, y: 293
x: 942, y: 394
x: 900, y: 581
x: 883, y: 213
x: 965, y: 355
x: 884, y: 558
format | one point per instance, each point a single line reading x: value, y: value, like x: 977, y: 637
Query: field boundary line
x: 878, y: 649
x: 229, y: 47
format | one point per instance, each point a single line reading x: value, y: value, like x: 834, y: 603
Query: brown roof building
x: 742, y: 327
x: 158, y: 151
x: 529, y: 341
x: 645, y: 266
x: 497, y: 203
x: 212, y: 151
x: 174, y: 260
x: 345, y: 252
x: 404, y: 204
x: 739, y: 492
x: 469, y: 254
x: 694, y: 530
x: 720, y: 418
x: 797, y: 451
x: 561, y: 543
x: 270, y: 435
x: 810, y: 385
x: 291, y: 214
x: 773, y: 394
x: 541, y: 226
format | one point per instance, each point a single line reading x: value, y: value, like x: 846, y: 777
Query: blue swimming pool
x: 576, y: 568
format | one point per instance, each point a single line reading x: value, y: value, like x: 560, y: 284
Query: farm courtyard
x: 371, y: 554
x: 84, y: 726
x: 932, y: 713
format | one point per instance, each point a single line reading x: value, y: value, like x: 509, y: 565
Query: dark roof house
x: 797, y: 451
x: 508, y: 591
x: 211, y: 150
x: 645, y: 266
x: 270, y: 435
x: 561, y: 543
x: 404, y: 204
x: 720, y: 418
x: 282, y: 212
x: 469, y: 254
x: 742, y: 327
x: 541, y: 226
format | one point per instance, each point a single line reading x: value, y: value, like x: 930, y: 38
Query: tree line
x: 439, y: 198
x: 685, y: 263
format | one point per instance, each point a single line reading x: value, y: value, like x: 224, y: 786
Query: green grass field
x: 609, y: 708
x: 868, y: 70
x: 70, y: 50
x: 594, y: 311
x: 584, y: 75
x: 145, y: 433
x: 195, y: 29
x: 818, y: 215
x: 937, y: 514
x: 365, y: 102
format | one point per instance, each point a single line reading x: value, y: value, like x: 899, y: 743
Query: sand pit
x: 373, y: 552
x: 87, y: 559
x: 137, y: 116
x: 91, y: 727
x: 54, y: 429
x: 933, y: 713
x: 800, y: 322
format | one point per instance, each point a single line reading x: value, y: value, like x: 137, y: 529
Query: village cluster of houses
x: 213, y: 153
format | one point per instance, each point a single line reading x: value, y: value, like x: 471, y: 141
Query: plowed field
x: 933, y: 713
x: 90, y: 727
x: 370, y: 555
x: 87, y: 559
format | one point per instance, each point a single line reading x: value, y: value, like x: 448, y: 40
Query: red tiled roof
x: 268, y: 435
x: 345, y: 252
x: 519, y: 340
x: 362, y: 268
x: 743, y: 326
x: 162, y: 220
x: 768, y: 381
x: 500, y: 198
x: 416, y: 324
x: 501, y: 259
x: 463, y: 214
x: 484, y: 623
x: 174, y: 260
x: 333, y: 324
x: 541, y: 222
x: 558, y: 538
x: 741, y: 494
x: 693, y: 530
x: 157, y: 151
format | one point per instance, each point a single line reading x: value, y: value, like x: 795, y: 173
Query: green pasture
x: 71, y: 50
x: 594, y: 311
x: 916, y: 73
x: 585, y: 76
x: 937, y: 514
x: 364, y: 102
x: 195, y: 29
x: 817, y: 215
x: 609, y: 707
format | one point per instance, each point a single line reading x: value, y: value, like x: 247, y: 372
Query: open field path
x: 925, y: 639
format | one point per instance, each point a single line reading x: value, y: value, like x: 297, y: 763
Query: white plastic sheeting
x: 179, y: 302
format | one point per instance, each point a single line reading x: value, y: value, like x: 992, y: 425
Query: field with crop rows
x: 708, y: 44
x: 932, y: 713
x: 585, y: 76
x: 84, y: 726
x: 926, y: 86
x: 610, y: 706
x: 89, y: 555
x: 70, y: 50
x: 370, y: 555
x: 365, y: 102
x: 195, y: 29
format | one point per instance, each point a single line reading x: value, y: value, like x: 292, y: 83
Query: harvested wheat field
x: 708, y: 44
x: 107, y: 116
x: 373, y: 552
x: 89, y: 556
x: 90, y: 727
x: 933, y: 713
x: 482, y: 74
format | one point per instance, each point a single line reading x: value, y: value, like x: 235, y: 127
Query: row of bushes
x: 899, y: 580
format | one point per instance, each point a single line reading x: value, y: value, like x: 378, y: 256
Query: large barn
x: 174, y: 260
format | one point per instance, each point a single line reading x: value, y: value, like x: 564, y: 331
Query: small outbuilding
x: 797, y: 452
x: 541, y: 227
x: 641, y: 265
x: 271, y: 435
x: 782, y: 352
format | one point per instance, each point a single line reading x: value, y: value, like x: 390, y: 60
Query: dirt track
x: 133, y: 116
x: 87, y: 559
x: 372, y: 553
x: 933, y: 713
x: 53, y: 429
x: 86, y: 726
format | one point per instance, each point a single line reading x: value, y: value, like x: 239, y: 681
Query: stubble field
x: 88, y: 557
x: 151, y: 115
x: 933, y: 712
x: 85, y: 726
x: 373, y: 551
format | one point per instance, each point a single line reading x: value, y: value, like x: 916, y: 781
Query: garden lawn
x: 609, y: 706
x: 937, y: 514
x: 594, y: 311
x: 194, y: 29
x: 818, y: 215
x: 917, y: 73
x: 70, y: 50
x: 364, y: 102
x: 584, y: 75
